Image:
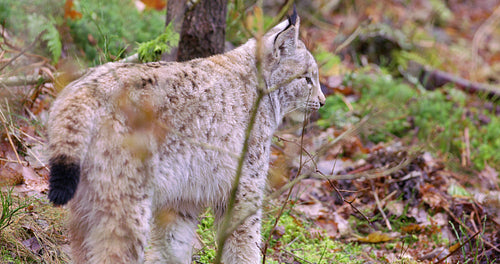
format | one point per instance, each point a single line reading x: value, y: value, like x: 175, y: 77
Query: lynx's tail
x: 69, y: 129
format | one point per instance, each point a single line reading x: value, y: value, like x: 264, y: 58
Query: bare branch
x: 23, y: 51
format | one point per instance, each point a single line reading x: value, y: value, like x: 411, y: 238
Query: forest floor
x: 400, y: 166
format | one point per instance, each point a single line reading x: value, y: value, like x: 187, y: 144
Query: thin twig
x: 379, y: 206
x: 350, y: 203
x: 370, y: 174
x: 455, y: 250
x: 13, y: 161
x: 468, y: 229
x: 7, y: 132
x: 296, y: 257
x: 23, y: 51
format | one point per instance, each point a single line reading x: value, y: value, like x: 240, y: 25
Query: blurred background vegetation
x: 422, y: 74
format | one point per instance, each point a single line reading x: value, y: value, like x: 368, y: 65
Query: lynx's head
x: 290, y: 68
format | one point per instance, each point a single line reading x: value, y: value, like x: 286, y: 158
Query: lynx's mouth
x: 313, y: 106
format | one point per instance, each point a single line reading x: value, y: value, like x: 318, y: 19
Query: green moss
x: 303, y: 245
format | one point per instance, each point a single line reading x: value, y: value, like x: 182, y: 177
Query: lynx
x: 138, y: 151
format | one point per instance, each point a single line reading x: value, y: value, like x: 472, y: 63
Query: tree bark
x: 203, y: 30
x: 175, y: 14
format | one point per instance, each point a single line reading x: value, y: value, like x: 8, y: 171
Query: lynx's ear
x: 285, y: 41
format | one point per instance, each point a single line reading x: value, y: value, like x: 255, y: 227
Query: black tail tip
x: 64, y: 178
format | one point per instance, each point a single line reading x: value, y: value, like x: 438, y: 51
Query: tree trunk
x: 203, y: 30
x: 175, y: 14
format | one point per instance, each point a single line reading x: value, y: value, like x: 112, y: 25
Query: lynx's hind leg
x: 111, y: 210
x: 109, y: 228
x: 172, y: 238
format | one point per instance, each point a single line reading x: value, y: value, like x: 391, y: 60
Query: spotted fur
x: 139, y: 150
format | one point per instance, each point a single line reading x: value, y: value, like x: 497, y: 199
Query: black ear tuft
x: 293, y: 18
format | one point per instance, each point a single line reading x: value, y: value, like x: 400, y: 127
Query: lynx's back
x: 141, y: 149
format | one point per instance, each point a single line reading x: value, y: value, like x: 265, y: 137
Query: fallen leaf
x: 396, y: 208
x: 412, y: 228
x: 456, y: 190
x: 378, y: 237
x: 32, y: 244
x: 10, y: 176
x: 312, y: 211
x: 454, y: 247
x: 33, y: 181
x: 432, y: 196
x: 435, y: 254
x: 489, y: 177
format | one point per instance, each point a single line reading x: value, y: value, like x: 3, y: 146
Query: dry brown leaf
x: 10, y: 176
x: 489, y: 177
x: 156, y: 4
x: 432, y: 196
x: 312, y: 211
x: 454, y: 247
x: 33, y: 181
x: 378, y: 237
x: 69, y: 12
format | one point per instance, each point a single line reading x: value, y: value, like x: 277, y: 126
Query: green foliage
x: 335, y: 111
x: 208, y: 238
x: 51, y: 35
x: 10, y: 208
x: 26, y: 19
x: 395, y: 108
x: 7, y: 257
x: 430, y: 57
x: 317, y: 248
x: 485, y: 142
x: 107, y: 30
x: 325, y: 59
x: 114, y: 24
x: 236, y: 32
x: 314, y: 248
x: 153, y: 49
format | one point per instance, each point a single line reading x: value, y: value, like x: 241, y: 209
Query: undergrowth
x: 153, y: 49
x: 438, y: 118
x: 101, y: 32
x: 35, y: 233
x: 297, y: 241
x: 11, y: 208
x: 293, y: 243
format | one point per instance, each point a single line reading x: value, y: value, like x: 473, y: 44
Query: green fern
x: 153, y: 49
x: 53, y: 39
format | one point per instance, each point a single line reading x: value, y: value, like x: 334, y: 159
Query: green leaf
x: 53, y: 39
x: 153, y: 49
x: 456, y: 190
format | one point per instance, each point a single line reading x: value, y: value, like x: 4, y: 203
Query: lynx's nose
x: 321, y: 96
x: 321, y: 99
